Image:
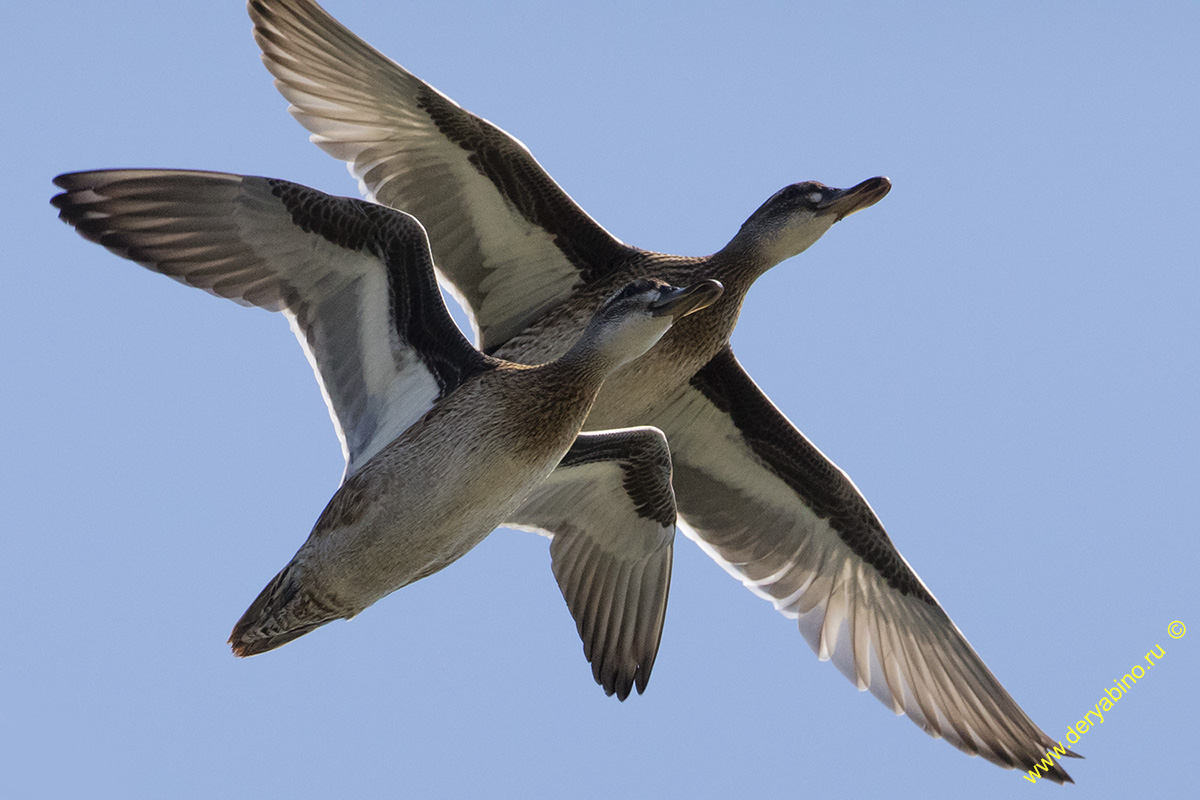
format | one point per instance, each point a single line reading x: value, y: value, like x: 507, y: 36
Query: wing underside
x: 610, y: 512
x: 508, y: 240
x: 778, y: 515
x: 354, y: 279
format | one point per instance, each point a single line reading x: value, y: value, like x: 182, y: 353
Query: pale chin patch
x: 799, y: 234
x: 634, y: 339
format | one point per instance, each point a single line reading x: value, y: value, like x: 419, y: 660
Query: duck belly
x: 415, y: 517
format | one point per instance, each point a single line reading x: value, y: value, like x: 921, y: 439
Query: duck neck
x: 742, y: 261
x: 587, y: 361
x: 603, y: 347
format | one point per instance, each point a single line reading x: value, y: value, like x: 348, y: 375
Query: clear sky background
x: 1002, y: 354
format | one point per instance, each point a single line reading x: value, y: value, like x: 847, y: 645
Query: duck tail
x: 283, y: 611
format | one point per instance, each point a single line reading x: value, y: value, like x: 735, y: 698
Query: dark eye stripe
x: 802, y: 191
x: 634, y: 288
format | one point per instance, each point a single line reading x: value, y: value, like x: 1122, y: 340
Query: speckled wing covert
x: 354, y: 278
x: 610, y: 511
x: 506, y: 236
x: 781, y: 517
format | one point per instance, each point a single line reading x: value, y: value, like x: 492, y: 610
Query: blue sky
x: 1002, y: 354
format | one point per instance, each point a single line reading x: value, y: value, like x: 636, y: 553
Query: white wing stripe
x: 365, y: 109
x: 901, y: 647
x: 272, y: 244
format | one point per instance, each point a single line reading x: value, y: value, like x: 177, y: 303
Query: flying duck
x: 529, y: 265
x: 442, y: 442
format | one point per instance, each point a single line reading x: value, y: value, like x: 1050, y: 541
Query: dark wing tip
x: 614, y: 680
x: 72, y: 184
x: 1059, y: 776
x: 79, y: 179
x: 643, y: 674
x: 623, y: 681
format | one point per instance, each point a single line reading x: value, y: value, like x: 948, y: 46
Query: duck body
x: 465, y: 467
x: 442, y: 442
x: 634, y: 389
x: 639, y: 389
x: 425, y: 499
x: 753, y: 492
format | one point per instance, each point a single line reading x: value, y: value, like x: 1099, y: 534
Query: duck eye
x: 636, y: 287
x: 802, y: 192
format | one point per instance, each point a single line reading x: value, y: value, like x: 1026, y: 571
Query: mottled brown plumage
x: 443, y: 443
x: 527, y: 261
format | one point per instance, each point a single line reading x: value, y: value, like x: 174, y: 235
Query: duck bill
x: 844, y: 202
x: 679, y: 302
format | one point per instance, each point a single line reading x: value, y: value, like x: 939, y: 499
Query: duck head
x: 635, y: 317
x: 796, y: 216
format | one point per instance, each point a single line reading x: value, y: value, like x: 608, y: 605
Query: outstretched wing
x: 610, y: 511
x: 355, y: 279
x: 508, y: 239
x: 778, y: 515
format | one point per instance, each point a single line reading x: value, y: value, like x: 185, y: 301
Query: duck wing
x: 506, y: 237
x: 354, y: 278
x: 778, y: 515
x: 610, y: 511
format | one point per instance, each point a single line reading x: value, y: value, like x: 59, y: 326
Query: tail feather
x: 283, y: 611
